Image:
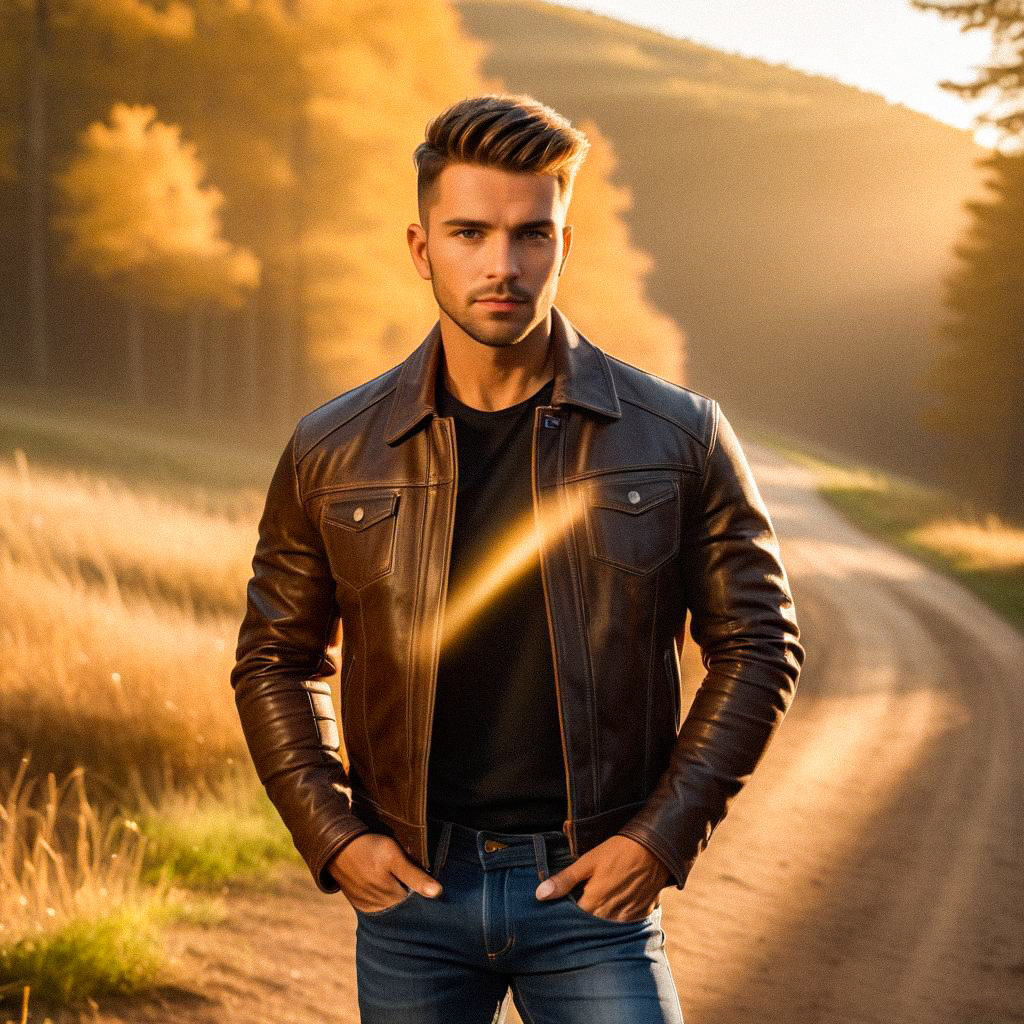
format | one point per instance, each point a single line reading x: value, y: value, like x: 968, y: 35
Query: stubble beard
x: 512, y: 336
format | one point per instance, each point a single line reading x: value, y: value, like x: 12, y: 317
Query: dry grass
x: 987, y: 544
x: 120, y: 639
x: 74, y: 919
x: 42, y: 889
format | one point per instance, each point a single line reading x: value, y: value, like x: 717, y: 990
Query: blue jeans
x: 456, y: 959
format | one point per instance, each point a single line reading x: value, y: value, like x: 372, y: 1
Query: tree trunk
x: 38, y: 177
x: 194, y: 362
x: 1012, y: 482
x: 135, y: 360
x: 249, y: 375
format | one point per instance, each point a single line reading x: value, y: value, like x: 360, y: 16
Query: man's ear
x: 566, y: 246
x: 417, y: 239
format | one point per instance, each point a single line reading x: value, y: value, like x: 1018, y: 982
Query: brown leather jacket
x: 648, y: 508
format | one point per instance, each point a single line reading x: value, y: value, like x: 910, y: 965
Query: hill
x: 800, y: 226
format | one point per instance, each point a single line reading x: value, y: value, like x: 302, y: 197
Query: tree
x: 978, y: 376
x: 1003, y: 78
x: 137, y: 218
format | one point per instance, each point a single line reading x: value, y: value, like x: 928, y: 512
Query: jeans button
x: 490, y: 845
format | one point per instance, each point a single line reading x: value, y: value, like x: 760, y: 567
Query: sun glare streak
x: 514, y: 553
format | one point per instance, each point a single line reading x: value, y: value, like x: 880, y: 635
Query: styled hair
x: 511, y: 131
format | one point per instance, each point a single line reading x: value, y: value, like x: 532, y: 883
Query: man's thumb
x: 418, y: 879
x: 557, y: 885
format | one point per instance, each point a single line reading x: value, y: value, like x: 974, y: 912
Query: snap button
x: 490, y: 845
x: 357, y: 515
x: 634, y: 497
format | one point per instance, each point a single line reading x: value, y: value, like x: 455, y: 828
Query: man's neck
x: 491, y: 378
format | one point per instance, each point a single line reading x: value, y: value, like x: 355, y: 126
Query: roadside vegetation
x: 981, y: 550
x: 127, y: 800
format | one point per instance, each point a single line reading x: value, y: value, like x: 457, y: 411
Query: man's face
x: 493, y: 235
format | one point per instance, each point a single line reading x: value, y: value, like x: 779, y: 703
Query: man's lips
x: 501, y: 303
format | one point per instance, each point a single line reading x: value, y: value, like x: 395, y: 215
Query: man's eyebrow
x: 464, y: 223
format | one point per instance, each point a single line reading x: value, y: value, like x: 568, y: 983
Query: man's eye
x: 537, y: 232
x: 462, y: 231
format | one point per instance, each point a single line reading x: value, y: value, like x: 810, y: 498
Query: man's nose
x: 502, y: 259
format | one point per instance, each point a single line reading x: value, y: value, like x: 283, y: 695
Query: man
x: 509, y: 527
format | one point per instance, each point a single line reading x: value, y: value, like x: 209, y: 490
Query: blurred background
x: 200, y: 200
x: 812, y: 213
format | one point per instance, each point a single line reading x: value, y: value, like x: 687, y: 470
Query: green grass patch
x: 119, y: 953
x: 949, y: 534
x: 203, y: 842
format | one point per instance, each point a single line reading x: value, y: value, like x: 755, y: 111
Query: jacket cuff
x: 679, y: 869
x: 336, y: 839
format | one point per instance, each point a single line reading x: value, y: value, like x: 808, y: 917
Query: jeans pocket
x: 572, y: 898
x: 386, y: 910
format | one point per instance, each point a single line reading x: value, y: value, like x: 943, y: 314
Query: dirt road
x: 872, y: 870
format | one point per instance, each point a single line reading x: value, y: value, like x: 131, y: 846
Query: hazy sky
x: 884, y: 46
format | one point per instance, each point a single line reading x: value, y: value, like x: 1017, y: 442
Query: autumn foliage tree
x: 238, y: 174
x: 138, y: 219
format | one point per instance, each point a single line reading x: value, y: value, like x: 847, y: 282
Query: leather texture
x: 647, y: 508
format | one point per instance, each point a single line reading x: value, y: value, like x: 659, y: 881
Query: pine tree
x: 978, y: 376
x: 1003, y: 78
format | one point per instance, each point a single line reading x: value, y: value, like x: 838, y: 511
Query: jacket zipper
x: 435, y: 658
x: 567, y: 827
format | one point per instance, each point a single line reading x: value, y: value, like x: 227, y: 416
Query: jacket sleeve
x: 744, y: 621
x: 279, y: 678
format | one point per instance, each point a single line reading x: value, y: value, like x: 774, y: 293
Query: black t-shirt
x: 496, y: 752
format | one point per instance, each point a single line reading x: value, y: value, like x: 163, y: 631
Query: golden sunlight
x: 512, y: 556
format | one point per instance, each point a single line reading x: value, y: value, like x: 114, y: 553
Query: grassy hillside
x: 800, y: 226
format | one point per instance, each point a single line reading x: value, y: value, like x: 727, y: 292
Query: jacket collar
x: 582, y: 378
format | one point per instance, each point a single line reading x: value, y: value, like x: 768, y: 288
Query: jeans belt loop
x: 541, y: 852
x: 441, y: 852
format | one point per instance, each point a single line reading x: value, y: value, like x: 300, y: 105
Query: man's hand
x: 374, y: 873
x: 625, y: 880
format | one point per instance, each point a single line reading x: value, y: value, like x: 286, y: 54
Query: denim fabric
x: 487, y: 938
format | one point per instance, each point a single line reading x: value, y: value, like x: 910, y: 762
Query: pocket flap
x: 359, y: 513
x: 629, y: 496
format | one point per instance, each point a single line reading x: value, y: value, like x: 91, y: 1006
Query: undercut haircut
x: 510, y: 131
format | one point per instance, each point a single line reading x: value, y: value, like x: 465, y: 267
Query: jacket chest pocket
x: 359, y: 535
x: 633, y: 524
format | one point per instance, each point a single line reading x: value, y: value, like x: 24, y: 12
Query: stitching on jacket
x: 295, y: 478
x: 366, y: 726
x: 611, y: 811
x: 335, y: 617
x: 602, y: 360
x: 414, y: 634
x: 649, y: 373
x: 648, y: 467
x: 356, y: 412
x: 579, y: 600
x: 356, y: 485
x: 365, y: 798
x: 650, y: 683
x: 665, y: 416
x: 716, y: 411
